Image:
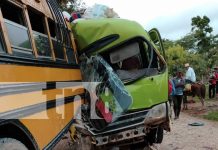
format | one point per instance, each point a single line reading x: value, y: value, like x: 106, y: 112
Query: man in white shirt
x: 190, y: 74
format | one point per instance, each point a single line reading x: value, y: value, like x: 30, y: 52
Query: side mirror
x: 156, y: 38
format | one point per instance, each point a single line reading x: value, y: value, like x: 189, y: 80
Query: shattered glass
x: 111, y: 89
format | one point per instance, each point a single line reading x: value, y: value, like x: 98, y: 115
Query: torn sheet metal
x: 110, y: 90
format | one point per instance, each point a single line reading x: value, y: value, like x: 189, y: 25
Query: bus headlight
x: 156, y: 113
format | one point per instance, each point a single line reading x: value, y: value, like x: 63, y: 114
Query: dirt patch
x: 186, y: 137
x: 195, y: 109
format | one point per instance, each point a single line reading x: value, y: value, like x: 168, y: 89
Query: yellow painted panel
x: 44, y: 130
x: 15, y: 101
x: 15, y: 73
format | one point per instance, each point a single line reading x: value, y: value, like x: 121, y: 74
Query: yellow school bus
x: 37, y: 66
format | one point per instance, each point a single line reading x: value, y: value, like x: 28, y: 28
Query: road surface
x: 182, y: 136
x: 186, y: 137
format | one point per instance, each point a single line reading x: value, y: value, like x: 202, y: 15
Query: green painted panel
x: 147, y: 92
x: 89, y: 31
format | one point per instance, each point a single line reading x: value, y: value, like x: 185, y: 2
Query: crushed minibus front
x: 132, y: 96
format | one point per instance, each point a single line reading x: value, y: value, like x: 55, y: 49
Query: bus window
x: 1, y: 44
x: 66, y: 40
x: 69, y: 50
x: 17, y: 30
x: 56, y: 37
x: 39, y: 33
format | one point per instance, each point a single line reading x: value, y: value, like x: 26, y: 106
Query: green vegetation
x: 71, y: 5
x: 212, y: 116
x: 199, y: 48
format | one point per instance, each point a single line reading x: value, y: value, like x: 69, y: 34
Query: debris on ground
x: 196, y: 124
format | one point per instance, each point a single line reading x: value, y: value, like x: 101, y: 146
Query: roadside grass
x: 212, y: 116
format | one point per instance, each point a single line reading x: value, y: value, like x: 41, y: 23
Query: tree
x: 188, y: 42
x: 212, y: 54
x: 168, y: 43
x: 176, y: 58
x: 202, y: 32
x: 71, y: 5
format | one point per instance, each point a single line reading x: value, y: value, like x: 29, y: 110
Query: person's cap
x: 187, y: 65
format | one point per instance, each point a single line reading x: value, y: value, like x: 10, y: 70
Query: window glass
x: 17, y: 30
x: 156, y: 61
x: 39, y: 33
x: 18, y: 35
x: 70, y: 52
x: 71, y: 56
x: 56, y: 39
x: 42, y: 44
x: 58, y: 49
x: 1, y: 44
x: 61, y: 39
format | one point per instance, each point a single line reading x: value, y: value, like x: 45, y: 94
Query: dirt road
x: 185, y: 137
x: 182, y: 136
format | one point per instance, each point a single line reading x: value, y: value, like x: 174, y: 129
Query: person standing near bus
x: 216, y: 76
x: 179, y: 83
x: 212, y: 84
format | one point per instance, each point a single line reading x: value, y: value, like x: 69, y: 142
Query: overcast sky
x: 171, y: 17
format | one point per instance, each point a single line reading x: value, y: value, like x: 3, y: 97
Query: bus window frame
x: 47, y: 33
x: 71, y: 37
x: 49, y: 38
x: 11, y: 49
x: 18, y: 26
x: 27, y: 20
x: 55, y: 39
x: 5, y: 37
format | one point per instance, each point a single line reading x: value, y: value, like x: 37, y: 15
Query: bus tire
x: 11, y: 144
x: 155, y: 136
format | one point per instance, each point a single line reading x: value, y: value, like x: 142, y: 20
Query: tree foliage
x: 188, y: 42
x: 199, y: 48
x: 168, y: 43
x: 71, y: 5
x: 176, y: 57
x: 202, y: 32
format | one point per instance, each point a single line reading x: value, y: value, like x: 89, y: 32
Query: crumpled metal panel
x: 110, y: 89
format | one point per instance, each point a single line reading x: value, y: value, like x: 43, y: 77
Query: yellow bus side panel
x: 15, y: 73
x: 15, y: 101
x: 44, y: 130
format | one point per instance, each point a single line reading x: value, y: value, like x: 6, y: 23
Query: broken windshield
x: 110, y: 90
x: 134, y: 60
